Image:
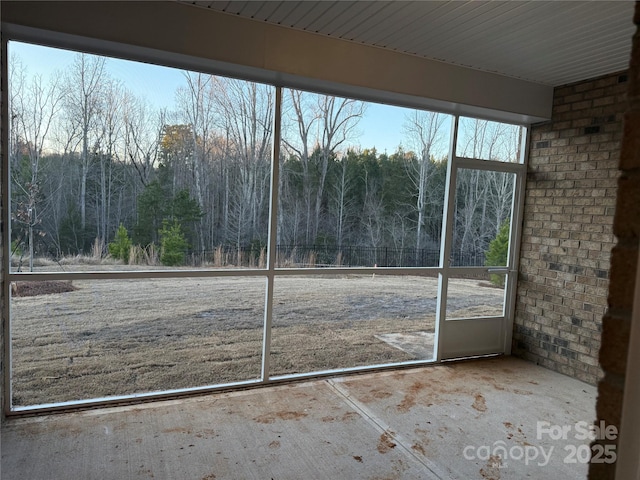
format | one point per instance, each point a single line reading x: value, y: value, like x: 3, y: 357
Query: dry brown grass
x: 119, y: 337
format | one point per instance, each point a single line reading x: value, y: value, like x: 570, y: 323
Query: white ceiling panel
x: 333, y: 12
x: 549, y: 42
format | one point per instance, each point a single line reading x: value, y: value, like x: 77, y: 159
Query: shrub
x: 172, y: 244
x: 497, y: 253
x: 16, y: 248
x: 121, y: 245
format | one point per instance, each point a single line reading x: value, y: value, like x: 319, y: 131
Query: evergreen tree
x: 152, y: 207
x: 497, y: 253
x: 186, y: 211
x: 173, y: 245
x: 121, y: 245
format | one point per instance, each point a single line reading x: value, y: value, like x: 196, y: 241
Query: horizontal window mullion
x: 144, y: 274
x: 490, y: 165
x: 358, y: 271
x: 455, y: 271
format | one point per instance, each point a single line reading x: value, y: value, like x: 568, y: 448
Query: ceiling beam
x: 180, y: 35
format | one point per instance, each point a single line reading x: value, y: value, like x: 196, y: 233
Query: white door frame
x: 484, y: 335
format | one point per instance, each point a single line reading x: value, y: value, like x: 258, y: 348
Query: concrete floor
x: 467, y: 420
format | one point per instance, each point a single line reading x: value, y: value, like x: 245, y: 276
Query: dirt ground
x: 120, y: 337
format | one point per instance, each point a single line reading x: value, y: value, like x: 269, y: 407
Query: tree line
x: 90, y: 161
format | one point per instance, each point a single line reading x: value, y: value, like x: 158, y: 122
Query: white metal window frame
x: 55, y: 40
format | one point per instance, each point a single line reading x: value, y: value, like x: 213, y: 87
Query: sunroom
x: 211, y: 196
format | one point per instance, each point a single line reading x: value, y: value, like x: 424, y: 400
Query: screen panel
x: 88, y: 339
x: 335, y: 322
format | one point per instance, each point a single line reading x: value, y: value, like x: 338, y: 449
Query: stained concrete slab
x: 481, y: 419
x: 417, y: 344
x: 412, y: 424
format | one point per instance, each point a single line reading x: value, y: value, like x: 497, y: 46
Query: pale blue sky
x: 381, y: 127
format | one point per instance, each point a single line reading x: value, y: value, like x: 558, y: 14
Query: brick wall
x: 567, y: 231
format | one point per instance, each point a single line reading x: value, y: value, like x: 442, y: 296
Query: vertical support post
x: 272, y: 240
x: 513, y: 255
x: 446, y: 239
x: 31, y: 239
x: 5, y: 357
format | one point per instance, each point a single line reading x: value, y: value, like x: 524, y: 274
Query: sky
x: 381, y: 127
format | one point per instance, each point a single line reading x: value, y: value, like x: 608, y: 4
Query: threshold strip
x: 384, y: 428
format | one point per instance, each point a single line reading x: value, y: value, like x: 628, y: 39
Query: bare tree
x: 245, y: 110
x: 325, y: 124
x: 471, y: 189
x: 143, y: 135
x: 109, y: 150
x: 373, y: 211
x: 196, y: 104
x: 341, y: 198
x: 84, y: 103
x: 17, y: 73
x: 34, y: 106
x: 501, y: 186
x: 424, y: 131
x: 300, y: 120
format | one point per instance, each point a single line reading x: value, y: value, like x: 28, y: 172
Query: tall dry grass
x: 148, y: 255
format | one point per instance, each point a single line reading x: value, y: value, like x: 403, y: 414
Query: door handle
x: 504, y: 270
